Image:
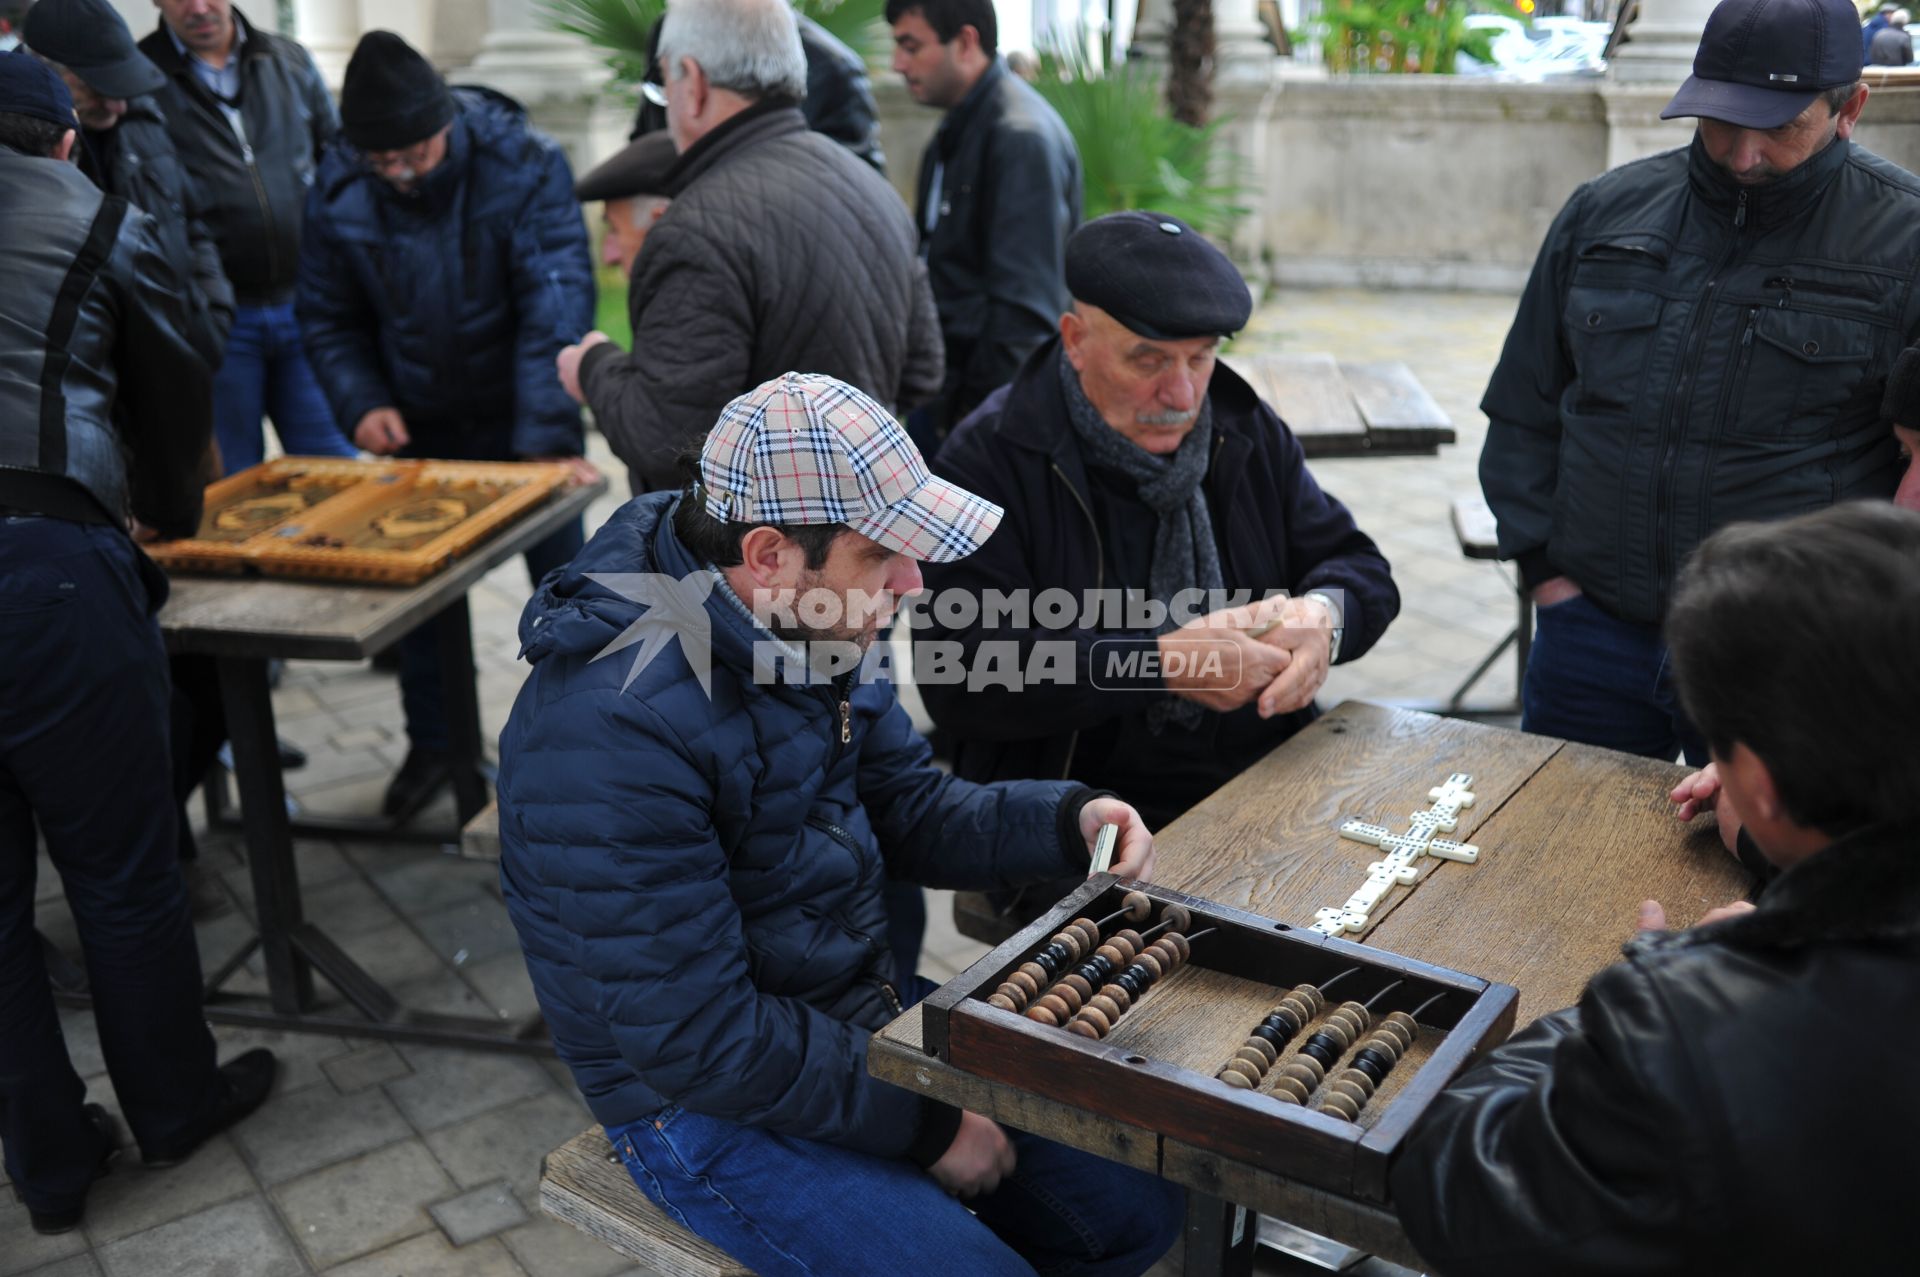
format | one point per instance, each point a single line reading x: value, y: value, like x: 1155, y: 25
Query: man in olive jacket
x: 1728, y: 1099
x: 1703, y: 341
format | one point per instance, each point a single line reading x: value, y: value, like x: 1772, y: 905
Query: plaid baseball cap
x: 806, y: 448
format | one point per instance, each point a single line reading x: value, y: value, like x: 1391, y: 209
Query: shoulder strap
x: 86, y: 267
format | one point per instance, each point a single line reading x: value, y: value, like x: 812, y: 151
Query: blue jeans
x: 84, y: 756
x: 789, y: 1207
x: 1596, y: 679
x: 265, y: 373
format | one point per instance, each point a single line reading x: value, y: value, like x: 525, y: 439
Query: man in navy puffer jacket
x: 695, y: 832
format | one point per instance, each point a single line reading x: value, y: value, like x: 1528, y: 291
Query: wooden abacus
x: 1219, y: 1029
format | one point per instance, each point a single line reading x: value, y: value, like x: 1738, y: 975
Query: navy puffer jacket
x: 451, y: 302
x: 696, y: 878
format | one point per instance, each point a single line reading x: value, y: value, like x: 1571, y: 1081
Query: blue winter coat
x: 450, y: 303
x: 696, y: 879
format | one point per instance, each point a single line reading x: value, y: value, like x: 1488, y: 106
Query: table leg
x: 462, y: 698
x: 269, y: 836
x: 1220, y: 1238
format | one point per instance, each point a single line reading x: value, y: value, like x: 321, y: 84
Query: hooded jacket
x: 695, y: 873
x: 1728, y: 1099
x: 451, y: 302
x: 1690, y: 353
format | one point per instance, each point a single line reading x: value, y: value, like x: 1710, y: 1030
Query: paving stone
x: 367, y: 1067
x: 548, y: 1248
x: 300, y: 1054
x: 347, y: 908
x: 360, y: 737
x: 429, y: 1255
x: 450, y: 1085
x: 472, y: 931
x: 445, y: 993
x: 478, y: 1213
x: 503, y: 984
x: 239, y: 1237
x: 393, y: 954
x: 23, y: 1249
x: 295, y: 1133
x: 134, y: 1199
x: 362, y: 1205
x: 78, y: 1266
x: 436, y: 881
x: 509, y: 1142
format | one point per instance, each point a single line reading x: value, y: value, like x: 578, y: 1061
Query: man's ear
x: 698, y: 90
x: 1755, y: 784
x: 1850, y: 113
x: 1073, y: 333
x: 770, y: 559
x: 63, y: 149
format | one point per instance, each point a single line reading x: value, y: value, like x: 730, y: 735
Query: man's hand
x: 1305, y: 633
x: 584, y: 471
x: 382, y: 432
x: 1555, y: 590
x: 567, y: 363
x: 977, y: 1160
x: 141, y: 532
x: 1702, y: 791
x: 1133, y: 851
x: 1217, y: 663
x: 1653, y: 916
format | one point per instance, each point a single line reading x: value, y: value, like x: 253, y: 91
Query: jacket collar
x: 1777, y: 201
x: 960, y: 118
x: 1865, y: 887
x: 768, y: 118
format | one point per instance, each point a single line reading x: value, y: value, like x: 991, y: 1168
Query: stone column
x: 1643, y: 74
x: 329, y: 29
x: 557, y: 77
x: 1240, y: 48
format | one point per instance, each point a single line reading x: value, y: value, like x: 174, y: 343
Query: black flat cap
x: 91, y: 40
x: 1158, y: 276
x: 391, y: 97
x: 638, y: 168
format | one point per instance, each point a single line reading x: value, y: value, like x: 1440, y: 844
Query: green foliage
x: 1133, y: 154
x: 1404, y: 36
x: 610, y: 305
x: 618, y: 28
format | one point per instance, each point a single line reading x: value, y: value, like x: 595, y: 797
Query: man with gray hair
x: 780, y: 250
x: 1892, y: 46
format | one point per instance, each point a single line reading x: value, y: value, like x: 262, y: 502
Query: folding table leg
x: 1220, y: 1237
x: 454, y: 632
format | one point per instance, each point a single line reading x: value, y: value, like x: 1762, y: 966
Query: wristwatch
x: 1338, y: 614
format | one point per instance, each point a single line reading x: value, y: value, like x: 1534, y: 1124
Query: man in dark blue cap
x: 1128, y: 459
x: 1703, y: 341
x: 103, y: 414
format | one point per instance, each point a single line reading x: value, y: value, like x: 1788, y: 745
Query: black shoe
x: 247, y: 1079
x: 51, y: 1223
x: 424, y: 774
x: 292, y: 757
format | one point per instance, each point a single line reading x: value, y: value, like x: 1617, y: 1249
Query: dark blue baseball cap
x: 1763, y: 62
x: 29, y: 87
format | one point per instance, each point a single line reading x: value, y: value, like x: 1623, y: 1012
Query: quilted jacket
x: 695, y: 875
x: 781, y: 252
x: 451, y: 302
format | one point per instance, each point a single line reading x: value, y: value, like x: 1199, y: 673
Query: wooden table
x: 1571, y: 839
x: 1340, y: 409
x: 245, y: 623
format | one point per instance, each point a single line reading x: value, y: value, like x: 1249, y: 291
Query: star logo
x: 675, y: 606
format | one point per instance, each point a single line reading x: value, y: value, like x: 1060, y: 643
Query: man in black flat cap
x: 443, y: 267
x: 632, y: 186
x: 1703, y: 341
x: 1128, y: 459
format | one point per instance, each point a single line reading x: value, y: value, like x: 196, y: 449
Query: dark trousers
x: 1599, y: 680
x: 84, y: 755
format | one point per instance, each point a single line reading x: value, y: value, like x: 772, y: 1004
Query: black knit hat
x: 1901, y: 404
x: 392, y: 97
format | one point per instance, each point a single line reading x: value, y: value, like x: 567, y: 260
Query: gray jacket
x: 104, y: 407
x: 781, y: 252
x: 1690, y: 353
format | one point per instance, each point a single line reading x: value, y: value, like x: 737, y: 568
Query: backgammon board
x: 374, y: 522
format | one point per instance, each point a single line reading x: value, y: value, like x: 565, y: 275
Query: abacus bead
x: 1373, y: 1062
x: 1353, y: 1090
x: 1070, y: 941
x: 1052, y: 956
x: 1044, y: 1016
x: 1291, y: 1089
x: 1002, y: 1001
x: 1268, y: 1051
x: 1311, y: 995
x: 1089, y: 934
x: 1025, y: 983
x: 1084, y: 1029
x: 1132, y: 938
x: 1340, y: 1106
x: 1178, y: 916
x: 1036, y: 973
x: 1179, y: 943
x: 1120, y: 997
x: 1068, y: 996
x: 1151, y: 964
x: 1078, y: 983
x: 1253, y: 1058
x: 1324, y: 1048
x: 1353, y: 1014
x: 1128, y: 981
x: 1404, y: 1022
x: 1105, y: 1006
x: 1386, y: 1044
x: 1113, y: 955
x: 1299, y: 1008
x: 1090, y: 1016
x: 1265, y: 1032
x: 1058, y: 1005
x: 1100, y: 965
x: 1245, y: 1070
x: 1306, y: 1068
x: 1235, y: 1079
x: 1138, y: 905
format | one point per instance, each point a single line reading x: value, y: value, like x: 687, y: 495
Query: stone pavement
x: 375, y: 1160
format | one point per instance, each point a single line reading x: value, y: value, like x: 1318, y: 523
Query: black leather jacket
x: 1690, y: 353
x: 251, y: 191
x: 136, y: 160
x: 1009, y: 197
x: 1730, y: 1099
x: 104, y: 407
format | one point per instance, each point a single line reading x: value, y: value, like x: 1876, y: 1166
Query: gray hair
x: 749, y: 46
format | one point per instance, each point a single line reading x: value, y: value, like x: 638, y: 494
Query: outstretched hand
x: 1703, y: 792
x: 1133, y: 854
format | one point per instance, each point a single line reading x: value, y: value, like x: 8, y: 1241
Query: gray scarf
x: 1184, y: 554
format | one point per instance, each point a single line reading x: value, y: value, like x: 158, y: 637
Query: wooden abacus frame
x: 1196, y: 1108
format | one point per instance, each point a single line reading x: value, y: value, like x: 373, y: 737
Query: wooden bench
x: 1339, y: 409
x: 582, y: 1183
x: 1475, y: 528
x: 480, y: 837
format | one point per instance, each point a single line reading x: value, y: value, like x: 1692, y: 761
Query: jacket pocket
x: 1794, y: 371
x: 1611, y: 334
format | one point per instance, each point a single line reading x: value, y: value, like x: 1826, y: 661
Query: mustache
x: 1164, y: 418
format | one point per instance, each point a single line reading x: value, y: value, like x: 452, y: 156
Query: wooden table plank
x: 1400, y: 415
x: 1309, y: 394
x: 264, y: 616
x: 1269, y: 842
x: 1603, y: 822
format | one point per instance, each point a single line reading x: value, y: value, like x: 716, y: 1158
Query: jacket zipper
x: 845, y: 839
x: 1099, y: 580
x: 1787, y: 284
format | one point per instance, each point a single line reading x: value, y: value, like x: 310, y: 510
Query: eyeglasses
x: 654, y: 93
x: 407, y: 157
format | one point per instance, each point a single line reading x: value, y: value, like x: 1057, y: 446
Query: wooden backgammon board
x: 1279, y: 1047
x: 376, y: 522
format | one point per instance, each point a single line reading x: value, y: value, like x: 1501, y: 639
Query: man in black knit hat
x: 445, y: 264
